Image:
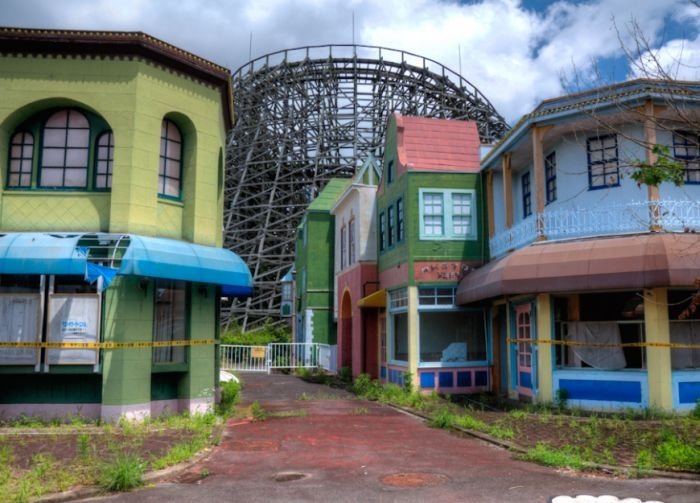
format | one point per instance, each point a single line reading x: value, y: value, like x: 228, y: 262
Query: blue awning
x: 179, y: 260
x: 41, y: 253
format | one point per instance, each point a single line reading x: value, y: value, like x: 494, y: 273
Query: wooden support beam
x: 507, y: 189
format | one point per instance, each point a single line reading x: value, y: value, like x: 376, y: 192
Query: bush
x: 262, y: 336
x: 125, y: 472
x: 366, y: 387
x: 230, y: 392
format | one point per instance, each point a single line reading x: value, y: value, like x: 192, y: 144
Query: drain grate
x: 414, y: 479
x: 289, y: 476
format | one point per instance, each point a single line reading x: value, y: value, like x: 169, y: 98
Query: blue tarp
x: 171, y: 259
x: 41, y: 253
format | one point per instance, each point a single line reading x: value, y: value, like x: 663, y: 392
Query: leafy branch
x: 664, y: 169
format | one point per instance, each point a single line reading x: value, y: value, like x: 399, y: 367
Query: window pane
x: 25, y: 180
x: 101, y: 181
x: 59, y: 119
x: 76, y: 178
x: 54, y: 138
x: 78, y: 138
x: 169, y: 320
x: 51, y: 177
x: 13, y: 180
x: 400, y: 337
x: 172, y: 187
x: 53, y: 157
x: 172, y: 168
x: 174, y: 150
x: 77, y: 158
x: 451, y: 336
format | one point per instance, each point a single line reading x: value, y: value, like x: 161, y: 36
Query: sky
x: 517, y: 53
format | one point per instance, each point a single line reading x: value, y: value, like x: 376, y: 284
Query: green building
x: 430, y: 232
x: 111, y: 199
x: 314, y: 264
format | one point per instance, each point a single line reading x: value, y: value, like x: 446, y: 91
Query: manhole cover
x: 288, y: 476
x: 414, y: 479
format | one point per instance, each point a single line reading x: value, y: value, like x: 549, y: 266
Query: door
x: 523, y: 351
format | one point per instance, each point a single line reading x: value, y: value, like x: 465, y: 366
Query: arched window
x: 21, y: 156
x: 103, y: 161
x: 170, y: 169
x: 64, y: 156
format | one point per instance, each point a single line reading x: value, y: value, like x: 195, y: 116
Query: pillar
x: 507, y: 189
x: 544, y: 351
x: 413, y: 347
x: 658, y: 358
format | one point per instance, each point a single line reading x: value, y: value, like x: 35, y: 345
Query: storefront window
x: 169, y: 320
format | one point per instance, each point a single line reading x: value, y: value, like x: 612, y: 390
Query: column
x: 489, y: 204
x: 544, y: 351
x: 538, y: 133
x: 413, y: 347
x: 507, y: 189
x: 658, y: 358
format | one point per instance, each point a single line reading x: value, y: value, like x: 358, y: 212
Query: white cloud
x: 516, y: 57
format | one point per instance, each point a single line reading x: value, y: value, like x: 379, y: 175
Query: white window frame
x: 447, y: 215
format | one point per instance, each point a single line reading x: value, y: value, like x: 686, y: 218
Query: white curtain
x: 597, y: 332
x: 685, y: 332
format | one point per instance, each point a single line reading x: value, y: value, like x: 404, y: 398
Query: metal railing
x: 277, y: 355
x: 626, y: 218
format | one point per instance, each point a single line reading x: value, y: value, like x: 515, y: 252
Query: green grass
x: 123, y: 473
x: 290, y: 413
x: 257, y: 412
x: 566, y: 457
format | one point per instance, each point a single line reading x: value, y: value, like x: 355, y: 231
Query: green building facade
x: 431, y: 232
x: 111, y: 199
x: 314, y: 264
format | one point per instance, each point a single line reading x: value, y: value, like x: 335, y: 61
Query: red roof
x: 437, y: 144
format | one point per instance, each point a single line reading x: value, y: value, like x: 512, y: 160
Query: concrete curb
x: 611, y: 469
x: 148, y: 479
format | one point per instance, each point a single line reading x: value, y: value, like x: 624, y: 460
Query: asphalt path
x: 320, y: 444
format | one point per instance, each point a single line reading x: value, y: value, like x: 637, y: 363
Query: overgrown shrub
x: 125, y: 472
x: 262, y: 336
x: 230, y: 392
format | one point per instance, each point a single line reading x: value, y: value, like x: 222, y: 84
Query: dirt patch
x: 411, y: 480
x: 67, y: 448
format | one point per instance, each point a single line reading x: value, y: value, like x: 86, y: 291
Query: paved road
x: 322, y: 445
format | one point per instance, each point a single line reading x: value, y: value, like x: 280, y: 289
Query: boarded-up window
x: 73, y: 318
x: 19, y: 322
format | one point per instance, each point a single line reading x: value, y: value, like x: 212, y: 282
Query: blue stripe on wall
x: 427, y: 380
x: 613, y: 391
x: 464, y: 379
x: 446, y: 380
x: 525, y: 379
x: 688, y: 392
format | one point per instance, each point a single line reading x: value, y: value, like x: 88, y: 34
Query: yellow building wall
x: 132, y: 96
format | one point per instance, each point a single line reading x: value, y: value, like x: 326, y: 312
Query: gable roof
x: 328, y: 196
x: 426, y: 144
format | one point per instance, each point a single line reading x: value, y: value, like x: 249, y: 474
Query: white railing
x: 632, y: 217
x: 278, y: 355
x: 244, y: 358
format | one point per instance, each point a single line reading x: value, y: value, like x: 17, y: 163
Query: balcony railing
x: 627, y: 218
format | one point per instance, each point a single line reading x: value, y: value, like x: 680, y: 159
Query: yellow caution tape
x: 609, y: 345
x: 106, y: 345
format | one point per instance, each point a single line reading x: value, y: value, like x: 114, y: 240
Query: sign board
x: 257, y: 351
x: 73, y: 318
